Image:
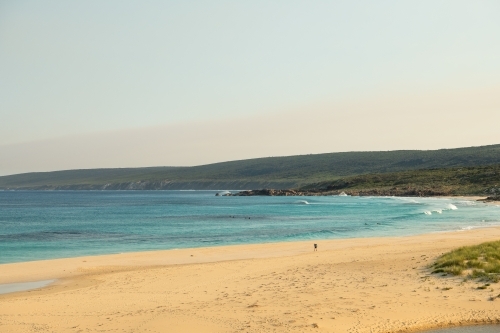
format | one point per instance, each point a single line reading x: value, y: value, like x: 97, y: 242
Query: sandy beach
x: 350, y: 285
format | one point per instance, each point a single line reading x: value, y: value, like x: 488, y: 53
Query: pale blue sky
x: 81, y: 67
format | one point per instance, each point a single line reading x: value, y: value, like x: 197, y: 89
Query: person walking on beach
x: 315, y: 247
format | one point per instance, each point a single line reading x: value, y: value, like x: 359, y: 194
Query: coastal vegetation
x: 475, y: 262
x: 461, y: 170
x: 480, y: 180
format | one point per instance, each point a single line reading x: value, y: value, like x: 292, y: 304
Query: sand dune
x: 354, y: 285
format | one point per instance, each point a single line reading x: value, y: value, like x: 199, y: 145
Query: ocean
x: 38, y: 225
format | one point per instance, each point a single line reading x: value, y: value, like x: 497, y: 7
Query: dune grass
x: 475, y: 262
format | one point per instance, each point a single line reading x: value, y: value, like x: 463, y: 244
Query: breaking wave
x: 468, y: 228
x: 467, y: 203
x: 302, y: 202
x: 406, y: 200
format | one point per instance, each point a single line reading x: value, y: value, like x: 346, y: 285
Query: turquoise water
x: 53, y: 224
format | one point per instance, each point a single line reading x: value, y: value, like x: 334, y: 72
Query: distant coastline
x: 459, y: 171
x: 140, y: 185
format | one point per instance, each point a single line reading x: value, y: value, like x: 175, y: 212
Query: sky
x: 91, y: 84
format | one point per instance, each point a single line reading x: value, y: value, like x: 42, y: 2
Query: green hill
x: 477, y: 180
x: 271, y: 172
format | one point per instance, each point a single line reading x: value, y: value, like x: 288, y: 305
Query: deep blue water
x: 53, y: 224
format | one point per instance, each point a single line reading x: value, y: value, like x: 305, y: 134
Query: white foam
x: 468, y: 203
x: 302, y: 202
x: 427, y: 212
x: 439, y: 211
x: 408, y: 200
x: 468, y: 228
x: 452, y: 207
x: 471, y: 227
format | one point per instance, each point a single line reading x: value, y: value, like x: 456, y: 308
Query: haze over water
x: 44, y: 225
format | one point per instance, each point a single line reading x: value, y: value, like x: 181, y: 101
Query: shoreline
x: 364, y: 284
x: 292, y: 246
x: 479, y: 199
x: 174, y: 259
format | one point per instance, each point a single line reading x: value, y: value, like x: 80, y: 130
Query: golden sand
x: 349, y: 285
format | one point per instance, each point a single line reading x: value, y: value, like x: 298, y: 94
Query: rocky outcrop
x: 269, y: 192
x: 492, y: 198
x: 394, y: 191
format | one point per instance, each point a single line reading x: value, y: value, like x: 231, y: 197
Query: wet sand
x: 350, y: 285
x: 8, y: 288
x: 469, y: 329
